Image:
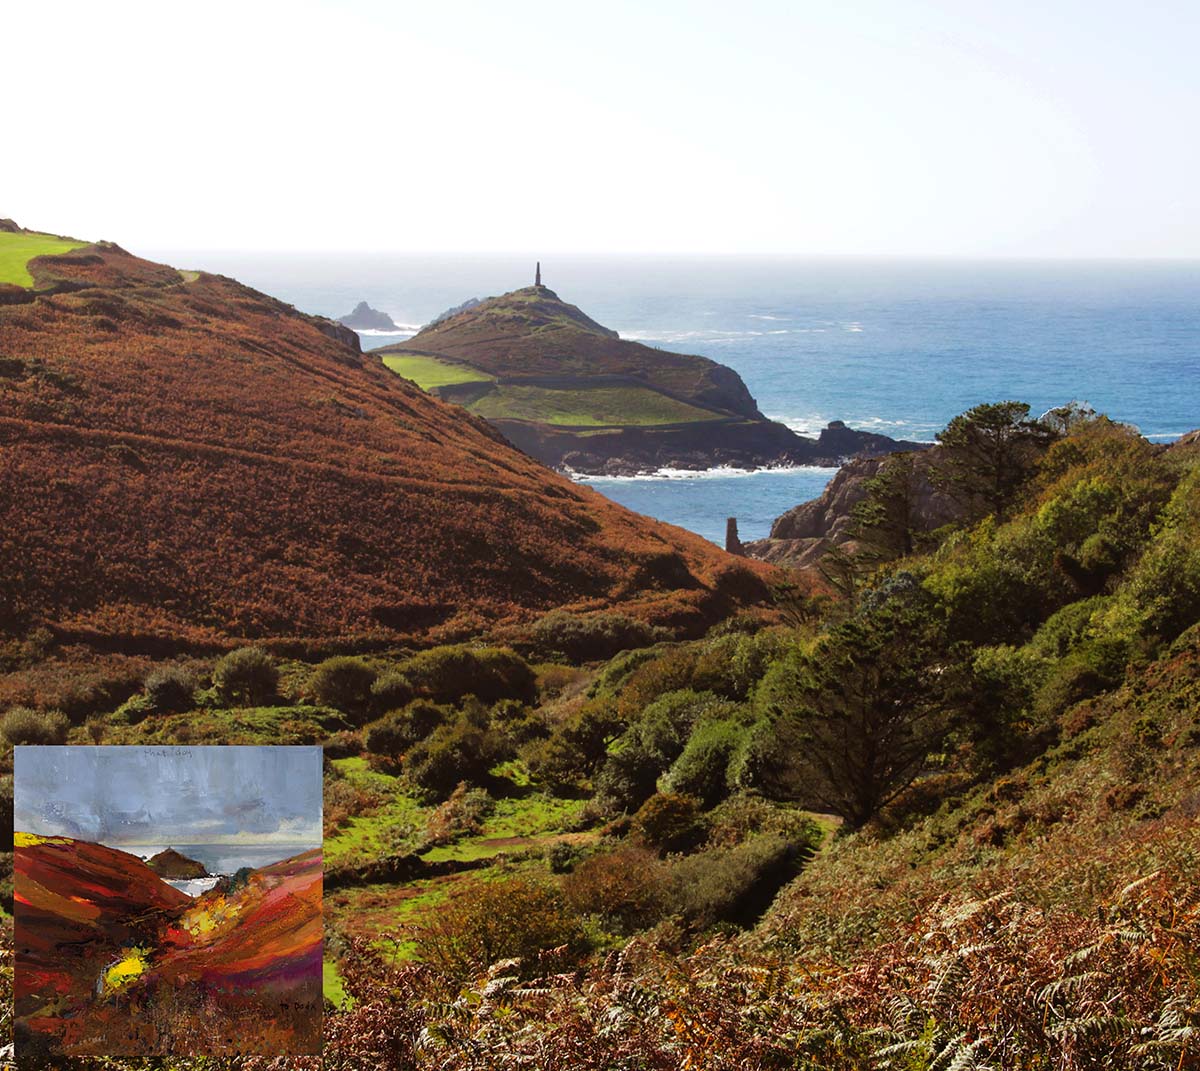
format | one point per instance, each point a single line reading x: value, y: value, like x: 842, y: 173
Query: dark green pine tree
x: 989, y: 452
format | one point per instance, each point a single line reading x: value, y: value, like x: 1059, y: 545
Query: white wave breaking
x: 718, y: 472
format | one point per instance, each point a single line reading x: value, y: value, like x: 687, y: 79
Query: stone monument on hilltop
x: 537, y: 275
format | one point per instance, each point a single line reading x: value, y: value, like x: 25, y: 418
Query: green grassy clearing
x: 17, y: 250
x: 397, y: 824
x: 430, y: 372
x: 587, y: 406
x: 528, y: 822
x: 332, y: 987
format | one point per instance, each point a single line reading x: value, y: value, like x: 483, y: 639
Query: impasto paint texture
x: 167, y: 900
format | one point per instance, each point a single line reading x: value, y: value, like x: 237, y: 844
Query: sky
x: 170, y: 795
x: 795, y: 127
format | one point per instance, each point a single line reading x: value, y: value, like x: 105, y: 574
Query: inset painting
x: 167, y: 900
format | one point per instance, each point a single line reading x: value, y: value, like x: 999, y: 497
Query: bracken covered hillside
x: 182, y: 457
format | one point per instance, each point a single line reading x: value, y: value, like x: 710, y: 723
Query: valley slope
x: 184, y: 460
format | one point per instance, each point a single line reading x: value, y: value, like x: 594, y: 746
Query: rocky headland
x: 365, y: 318
x: 576, y: 396
x: 171, y: 864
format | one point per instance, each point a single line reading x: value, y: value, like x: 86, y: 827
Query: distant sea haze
x: 893, y: 346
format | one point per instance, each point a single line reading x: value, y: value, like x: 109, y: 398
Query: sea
x: 218, y: 859
x: 892, y: 345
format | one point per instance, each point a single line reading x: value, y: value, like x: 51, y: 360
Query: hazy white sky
x: 920, y: 127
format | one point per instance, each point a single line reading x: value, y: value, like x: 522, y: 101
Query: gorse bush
x: 463, y: 750
x: 574, y: 749
x: 489, y: 921
x: 395, y: 733
x: 391, y: 691
x: 170, y: 690
x: 248, y: 676
x: 669, y: 822
x: 702, y: 768
x: 462, y: 813
x: 592, y: 637
x: 449, y: 674
x: 735, y: 884
x: 23, y: 725
x: 628, y: 888
x: 343, y: 683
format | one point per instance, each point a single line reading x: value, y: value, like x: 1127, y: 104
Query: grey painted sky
x: 906, y: 127
x: 170, y: 795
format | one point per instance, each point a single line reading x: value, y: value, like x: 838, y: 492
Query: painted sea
x: 896, y: 346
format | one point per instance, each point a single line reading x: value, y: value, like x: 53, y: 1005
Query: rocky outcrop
x: 739, y: 444
x: 173, y: 865
x: 804, y: 534
x: 9, y: 226
x: 470, y: 303
x: 365, y: 318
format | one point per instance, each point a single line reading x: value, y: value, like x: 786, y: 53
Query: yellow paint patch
x: 126, y: 969
x: 29, y: 840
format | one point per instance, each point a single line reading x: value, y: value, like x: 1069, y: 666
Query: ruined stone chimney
x: 732, y: 543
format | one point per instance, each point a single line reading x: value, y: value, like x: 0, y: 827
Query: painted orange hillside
x: 109, y: 954
x: 86, y: 898
x: 185, y: 459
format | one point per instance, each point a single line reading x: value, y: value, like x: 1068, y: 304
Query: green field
x: 587, y: 406
x: 17, y: 250
x: 430, y: 372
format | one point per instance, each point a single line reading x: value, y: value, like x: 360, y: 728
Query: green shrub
x: 1089, y: 670
x: 449, y: 674
x: 669, y: 822
x: 1065, y: 629
x: 521, y: 724
x: 391, y: 691
x: 743, y: 816
x: 343, y: 745
x: 248, y: 676
x: 732, y: 665
x: 343, y: 683
x: 703, y: 766
x: 170, y: 690
x: 670, y: 671
x: 592, y: 637
x: 489, y: 921
x: 401, y: 729
x: 626, y: 888
x: 665, y: 725
x: 24, y: 725
x: 734, y: 884
x: 460, y: 751
x: 628, y: 777
x: 572, y: 752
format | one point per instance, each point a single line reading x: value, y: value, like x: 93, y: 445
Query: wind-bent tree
x: 887, y: 519
x: 857, y: 718
x: 989, y: 452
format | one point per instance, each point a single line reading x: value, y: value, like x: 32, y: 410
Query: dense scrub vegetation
x: 944, y: 817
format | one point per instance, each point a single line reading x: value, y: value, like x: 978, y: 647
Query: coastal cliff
x: 804, y: 534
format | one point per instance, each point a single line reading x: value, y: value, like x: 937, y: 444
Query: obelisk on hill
x: 537, y: 275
